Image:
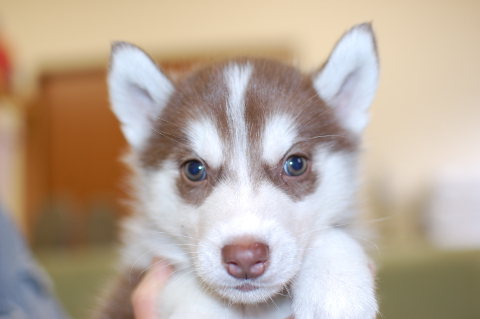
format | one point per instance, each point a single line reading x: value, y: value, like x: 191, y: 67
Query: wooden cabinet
x: 73, y: 149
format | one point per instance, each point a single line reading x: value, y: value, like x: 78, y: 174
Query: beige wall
x: 426, y: 117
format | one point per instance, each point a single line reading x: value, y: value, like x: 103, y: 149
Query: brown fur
x: 117, y: 303
x: 274, y: 88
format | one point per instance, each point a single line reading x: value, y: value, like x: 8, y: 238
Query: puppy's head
x: 242, y: 162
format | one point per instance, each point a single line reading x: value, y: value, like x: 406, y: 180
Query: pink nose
x: 245, y: 260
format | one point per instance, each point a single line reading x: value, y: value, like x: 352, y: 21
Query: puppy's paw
x: 336, y: 281
x: 336, y: 303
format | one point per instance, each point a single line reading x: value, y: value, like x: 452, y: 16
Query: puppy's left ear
x: 349, y: 79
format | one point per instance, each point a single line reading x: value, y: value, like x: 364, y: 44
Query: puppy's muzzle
x: 245, y: 260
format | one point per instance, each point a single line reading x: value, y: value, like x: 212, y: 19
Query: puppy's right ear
x: 138, y: 91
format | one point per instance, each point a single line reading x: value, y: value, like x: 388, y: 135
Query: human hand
x: 145, y: 296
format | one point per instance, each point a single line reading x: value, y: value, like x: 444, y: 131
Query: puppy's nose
x: 245, y: 260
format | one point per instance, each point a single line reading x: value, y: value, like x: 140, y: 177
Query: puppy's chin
x: 249, y: 293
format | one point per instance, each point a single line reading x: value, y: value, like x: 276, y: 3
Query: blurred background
x: 59, y: 143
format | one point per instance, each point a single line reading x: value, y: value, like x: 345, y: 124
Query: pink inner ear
x: 343, y: 103
x: 349, y: 79
x: 135, y: 109
x: 143, y: 100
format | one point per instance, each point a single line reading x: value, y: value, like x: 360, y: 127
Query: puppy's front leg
x: 335, y: 281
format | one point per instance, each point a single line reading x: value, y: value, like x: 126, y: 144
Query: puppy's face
x: 242, y: 162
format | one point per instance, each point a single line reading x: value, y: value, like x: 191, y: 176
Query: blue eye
x: 195, y: 171
x: 295, y: 165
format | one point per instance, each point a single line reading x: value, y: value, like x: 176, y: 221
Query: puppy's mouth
x: 248, y: 293
x: 246, y: 287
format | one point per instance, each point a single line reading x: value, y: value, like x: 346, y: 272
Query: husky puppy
x: 244, y: 177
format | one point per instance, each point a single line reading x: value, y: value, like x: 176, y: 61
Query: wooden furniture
x: 73, y: 145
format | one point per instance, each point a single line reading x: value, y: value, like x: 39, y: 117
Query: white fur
x: 349, y: 80
x: 138, y: 91
x: 279, y: 135
x: 343, y: 283
x: 186, y: 288
x: 234, y: 211
x: 333, y: 260
x: 237, y: 77
x: 160, y: 233
x: 310, y: 252
x: 205, y: 141
x: 335, y: 195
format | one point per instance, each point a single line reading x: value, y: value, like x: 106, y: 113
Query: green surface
x: 424, y: 284
x: 431, y: 285
x: 78, y: 276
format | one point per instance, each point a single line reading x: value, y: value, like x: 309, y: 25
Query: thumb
x: 145, y: 296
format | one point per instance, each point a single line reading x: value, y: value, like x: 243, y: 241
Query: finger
x: 145, y: 296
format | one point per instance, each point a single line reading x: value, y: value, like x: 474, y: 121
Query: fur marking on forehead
x: 279, y: 135
x: 205, y: 141
x: 237, y: 77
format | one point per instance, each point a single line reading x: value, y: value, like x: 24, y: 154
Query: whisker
x: 198, y: 290
x: 161, y: 119
x: 288, y: 291
x: 163, y: 259
x: 371, y: 242
x: 327, y: 109
x: 131, y: 268
x: 159, y: 132
x: 315, y: 117
x: 311, y: 231
x: 172, y: 135
x: 273, y: 302
x: 164, y: 266
x: 381, y: 219
x: 149, y: 267
x: 320, y: 136
x: 186, y: 274
x: 195, y: 245
x: 174, y: 234
x: 170, y: 275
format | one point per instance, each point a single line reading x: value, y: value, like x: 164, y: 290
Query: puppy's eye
x: 195, y: 171
x: 295, y: 165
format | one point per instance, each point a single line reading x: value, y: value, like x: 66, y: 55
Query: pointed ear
x: 138, y: 91
x: 349, y: 79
